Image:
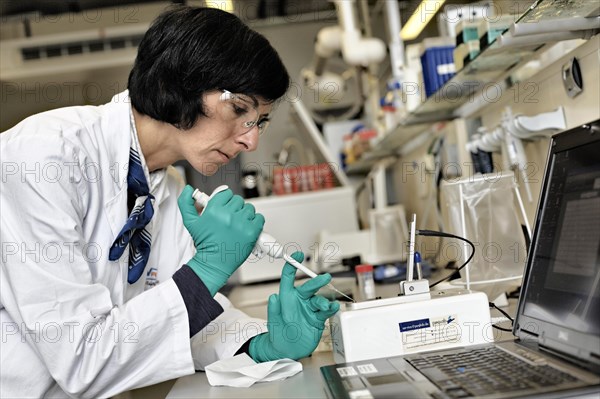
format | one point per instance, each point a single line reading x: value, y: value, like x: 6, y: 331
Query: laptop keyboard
x: 485, y: 371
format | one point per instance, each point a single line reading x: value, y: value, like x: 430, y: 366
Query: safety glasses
x: 241, y: 111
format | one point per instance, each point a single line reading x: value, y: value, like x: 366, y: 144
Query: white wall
x: 93, y: 86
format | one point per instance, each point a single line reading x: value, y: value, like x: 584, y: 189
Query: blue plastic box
x: 437, y: 62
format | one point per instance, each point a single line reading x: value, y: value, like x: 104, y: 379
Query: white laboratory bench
x: 306, y: 384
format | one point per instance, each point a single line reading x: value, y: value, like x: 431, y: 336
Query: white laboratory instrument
x: 416, y: 320
x: 267, y: 244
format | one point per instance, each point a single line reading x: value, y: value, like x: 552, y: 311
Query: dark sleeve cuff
x: 245, y: 348
x: 201, y: 307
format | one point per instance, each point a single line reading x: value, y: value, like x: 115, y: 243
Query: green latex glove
x: 224, y: 235
x: 296, y: 318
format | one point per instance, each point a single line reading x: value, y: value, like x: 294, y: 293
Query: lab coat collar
x: 154, y: 179
x: 115, y: 129
x: 120, y: 134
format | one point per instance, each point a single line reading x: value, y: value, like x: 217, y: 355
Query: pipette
x: 312, y: 274
x: 267, y: 244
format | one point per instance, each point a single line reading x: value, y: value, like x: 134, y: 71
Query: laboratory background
x: 401, y: 116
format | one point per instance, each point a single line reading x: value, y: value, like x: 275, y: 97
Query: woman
x: 110, y: 277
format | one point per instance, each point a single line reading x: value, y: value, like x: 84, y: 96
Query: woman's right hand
x: 224, y: 234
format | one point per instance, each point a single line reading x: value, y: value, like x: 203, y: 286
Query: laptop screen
x: 563, y: 279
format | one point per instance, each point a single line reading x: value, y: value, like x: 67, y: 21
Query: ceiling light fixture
x: 420, y: 18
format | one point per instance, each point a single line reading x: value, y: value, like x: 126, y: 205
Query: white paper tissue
x: 242, y: 371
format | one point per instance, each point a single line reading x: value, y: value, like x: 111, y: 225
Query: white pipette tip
x: 312, y: 274
x: 200, y: 197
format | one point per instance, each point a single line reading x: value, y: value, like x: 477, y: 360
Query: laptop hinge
x: 571, y: 359
x: 530, y: 333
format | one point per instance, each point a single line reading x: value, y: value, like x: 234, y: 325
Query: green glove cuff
x: 261, y: 349
x: 208, y: 276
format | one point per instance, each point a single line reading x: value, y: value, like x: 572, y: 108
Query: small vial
x: 418, y: 264
x: 366, y: 283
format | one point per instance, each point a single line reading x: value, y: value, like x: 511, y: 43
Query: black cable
x: 441, y: 234
x: 493, y: 305
x: 514, y: 294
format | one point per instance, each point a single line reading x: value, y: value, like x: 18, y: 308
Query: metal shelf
x: 545, y: 22
x: 387, y: 146
x: 494, y: 65
x: 491, y: 66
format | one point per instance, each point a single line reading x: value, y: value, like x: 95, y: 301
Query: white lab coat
x: 71, y: 324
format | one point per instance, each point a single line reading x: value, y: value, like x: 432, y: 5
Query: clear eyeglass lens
x: 240, y: 110
x: 263, y: 125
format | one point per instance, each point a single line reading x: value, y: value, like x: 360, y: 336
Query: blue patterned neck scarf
x: 134, y: 232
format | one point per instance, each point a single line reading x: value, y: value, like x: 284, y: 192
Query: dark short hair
x: 188, y: 51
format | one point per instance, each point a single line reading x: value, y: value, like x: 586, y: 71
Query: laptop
x: 556, y: 352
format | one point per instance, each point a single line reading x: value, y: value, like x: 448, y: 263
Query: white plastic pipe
x: 315, y: 134
x: 395, y: 43
x: 345, y: 9
x: 329, y: 41
x: 377, y: 175
x: 540, y: 125
x: 357, y: 50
